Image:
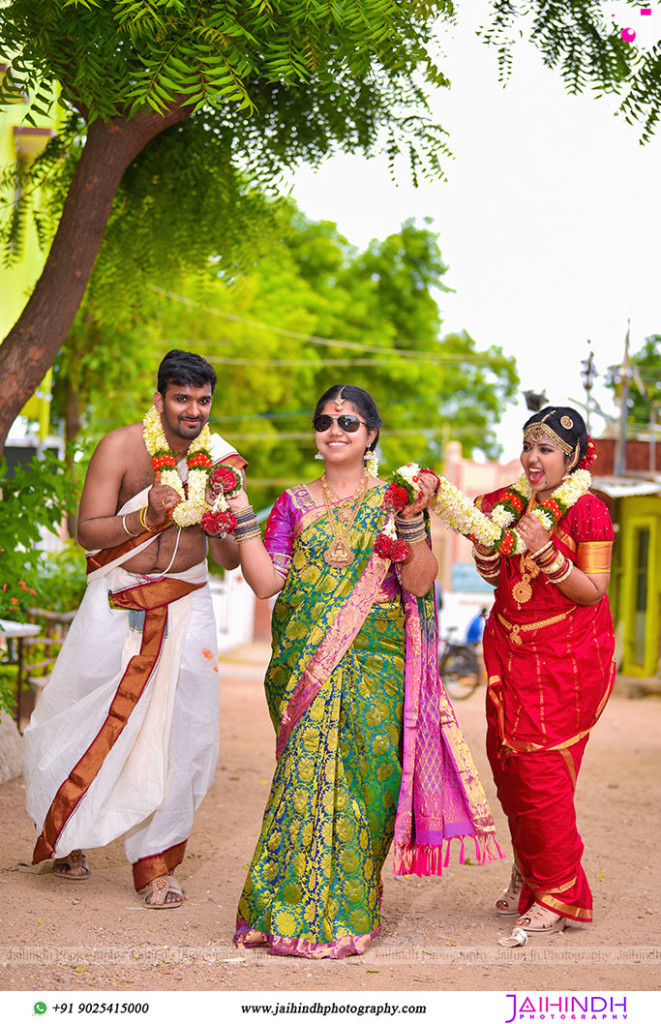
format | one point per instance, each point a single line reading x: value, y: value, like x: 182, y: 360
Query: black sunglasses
x: 345, y: 422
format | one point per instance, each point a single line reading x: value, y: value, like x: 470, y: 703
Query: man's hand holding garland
x: 161, y: 498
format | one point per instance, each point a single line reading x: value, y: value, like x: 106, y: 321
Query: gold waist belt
x: 515, y: 628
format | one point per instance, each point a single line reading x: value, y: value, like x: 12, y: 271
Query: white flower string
x: 494, y: 531
x: 190, y: 509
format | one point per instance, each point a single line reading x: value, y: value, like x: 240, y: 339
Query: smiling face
x: 544, y: 465
x: 184, y: 411
x: 343, y: 447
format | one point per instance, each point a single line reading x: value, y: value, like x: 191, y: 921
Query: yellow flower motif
x: 274, y: 840
x: 344, y: 830
x: 349, y: 860
x: 306, y: 833
x: 300, y: 801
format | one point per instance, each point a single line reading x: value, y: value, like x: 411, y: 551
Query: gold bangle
x: 554, y: 566
x: 540, y: 551
x: 143, y: 518
x: 563, y: 574
x: 485, y: 558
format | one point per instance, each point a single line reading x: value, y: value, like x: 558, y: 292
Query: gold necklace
x: 522, y: 590
x: 339, y: 552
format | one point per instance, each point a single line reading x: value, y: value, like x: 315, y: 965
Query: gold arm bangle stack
x: 247, y: 526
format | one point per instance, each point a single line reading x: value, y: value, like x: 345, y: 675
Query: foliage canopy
x: 644, y: 383
x: 313, y: 312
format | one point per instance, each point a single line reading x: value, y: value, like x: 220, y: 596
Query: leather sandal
x: 73, y: 867
x: 155, y: 893
x: 508, y: 904
x: 541, y: 920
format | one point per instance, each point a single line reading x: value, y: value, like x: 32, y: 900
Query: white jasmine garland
x: 493, y: 531
x: 190, y: 509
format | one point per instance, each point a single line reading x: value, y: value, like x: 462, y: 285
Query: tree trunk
x: 31, y: 346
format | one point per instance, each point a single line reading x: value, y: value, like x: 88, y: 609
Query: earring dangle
x: 371, y: 462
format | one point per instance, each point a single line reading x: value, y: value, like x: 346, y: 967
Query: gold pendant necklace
x: 522, y: 590
x: 339, y: 552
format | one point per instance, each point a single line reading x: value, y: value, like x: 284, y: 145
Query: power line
x: 312, y: 339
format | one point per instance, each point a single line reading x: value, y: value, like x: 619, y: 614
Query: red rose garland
x: 404, y: 489
x: 218, y: 520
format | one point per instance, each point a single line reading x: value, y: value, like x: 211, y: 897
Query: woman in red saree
x: 548, y: 648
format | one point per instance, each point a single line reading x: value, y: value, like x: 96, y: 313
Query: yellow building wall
x: 20, y: 141
x: 636, y: 586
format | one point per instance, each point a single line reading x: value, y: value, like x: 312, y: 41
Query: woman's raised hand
x: 428, y: 485
x: 532, y: 531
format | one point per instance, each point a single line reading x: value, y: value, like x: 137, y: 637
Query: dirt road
x: 438, y: 934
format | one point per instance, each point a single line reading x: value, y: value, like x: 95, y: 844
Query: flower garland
x: 218, y: 520
x: 403, y: 489
x: 191, y: 508
x: 495, y: 531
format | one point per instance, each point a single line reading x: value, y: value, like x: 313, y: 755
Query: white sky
x: 550, y: 221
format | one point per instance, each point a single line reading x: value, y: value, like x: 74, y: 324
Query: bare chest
x: 137, y: 477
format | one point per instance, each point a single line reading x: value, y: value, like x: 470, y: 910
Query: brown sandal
x: 74, y: 867
x: 541, y: 920
x: 508, y: 904
x: 155, y: 893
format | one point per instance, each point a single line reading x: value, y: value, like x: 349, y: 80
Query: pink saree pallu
x: 441, y: 796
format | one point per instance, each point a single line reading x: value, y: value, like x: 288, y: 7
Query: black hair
x: 361, y: 399
x: 568, y: 425
x: 179, y: 367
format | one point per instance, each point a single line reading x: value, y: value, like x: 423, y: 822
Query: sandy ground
x: 438, y: 934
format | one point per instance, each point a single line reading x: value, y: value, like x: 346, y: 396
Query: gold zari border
x: 595, y: 556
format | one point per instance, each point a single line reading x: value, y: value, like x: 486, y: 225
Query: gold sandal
x: 508, y: 904
x: 155, y: 893
x: 73, y: 867
x: 541, y: 920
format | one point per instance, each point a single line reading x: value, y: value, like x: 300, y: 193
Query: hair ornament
x: 590, y: 455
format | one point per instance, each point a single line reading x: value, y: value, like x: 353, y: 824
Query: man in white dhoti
x: 124, y: 739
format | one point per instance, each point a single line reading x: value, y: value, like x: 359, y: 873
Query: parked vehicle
x: 458, y: 666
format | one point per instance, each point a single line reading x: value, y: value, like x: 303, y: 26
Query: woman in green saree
x: 335, y: 688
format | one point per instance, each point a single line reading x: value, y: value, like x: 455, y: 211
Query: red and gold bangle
x: 488, y: 566
x: 542, y: 553
x: 558, y: 569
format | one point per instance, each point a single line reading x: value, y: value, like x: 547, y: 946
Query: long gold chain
x: 522, y: 590
x: 339, y: 552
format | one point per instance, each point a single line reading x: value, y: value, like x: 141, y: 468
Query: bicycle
x: 458, y: 667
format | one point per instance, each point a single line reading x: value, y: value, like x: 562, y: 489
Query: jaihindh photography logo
x: 522, y: 1007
